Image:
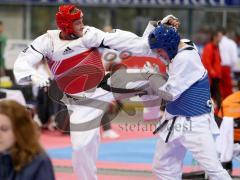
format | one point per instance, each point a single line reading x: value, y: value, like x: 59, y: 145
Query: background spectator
x: 212, y: 62
x: 3, y: 41
x: 229, y: 58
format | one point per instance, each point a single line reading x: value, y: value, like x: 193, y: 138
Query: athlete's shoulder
x: 90, y: 30
x: 92, y: 37
x: 53, y: 33
x: 186, y: 54
x: 43, y: 43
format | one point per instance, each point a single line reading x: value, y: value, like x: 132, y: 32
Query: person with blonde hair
x: 21, y: 155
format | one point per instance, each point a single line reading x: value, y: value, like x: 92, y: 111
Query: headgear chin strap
x: 166, y: 38
x: 65, y: 17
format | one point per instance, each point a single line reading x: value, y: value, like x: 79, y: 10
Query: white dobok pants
x: 168, y: 159
x: 225, y: 141
x: 85, y: 144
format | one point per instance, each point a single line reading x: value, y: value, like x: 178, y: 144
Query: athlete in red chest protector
x: 73, y: 58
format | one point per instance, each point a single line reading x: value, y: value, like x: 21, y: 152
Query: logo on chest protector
x: 67, y: 51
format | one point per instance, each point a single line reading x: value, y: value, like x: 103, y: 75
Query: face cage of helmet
x: 77, y: 27
x: 162, y: 55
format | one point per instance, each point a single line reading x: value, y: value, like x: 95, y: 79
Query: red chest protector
x: 78, y: 73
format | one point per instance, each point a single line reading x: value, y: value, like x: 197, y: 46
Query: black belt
x: 164, y: 124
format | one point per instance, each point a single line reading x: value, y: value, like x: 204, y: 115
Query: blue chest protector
x: 194, y: 101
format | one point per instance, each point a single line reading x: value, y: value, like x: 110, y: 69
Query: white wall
x: 12, y: 17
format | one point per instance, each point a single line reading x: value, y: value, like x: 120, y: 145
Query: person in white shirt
x: 188, y: 122
x: 229, y: 58
x: 75, y: 63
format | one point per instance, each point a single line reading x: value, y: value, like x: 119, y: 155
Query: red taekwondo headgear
x: 65, y: 17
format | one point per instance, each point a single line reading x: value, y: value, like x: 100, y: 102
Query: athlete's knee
x: 155, y: 167
x: 84, y: 139
x: 159, y: 165
x: 223, y: 175
x: 218, y: 173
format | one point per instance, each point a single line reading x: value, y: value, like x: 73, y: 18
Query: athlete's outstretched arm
x: 127, y: 41
x: 25, y: 66
x: 124, y: 40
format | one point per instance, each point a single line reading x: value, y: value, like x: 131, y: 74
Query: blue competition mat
x: 127, y: 151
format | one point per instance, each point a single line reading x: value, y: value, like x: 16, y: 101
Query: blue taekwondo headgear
x: 166, y: 38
